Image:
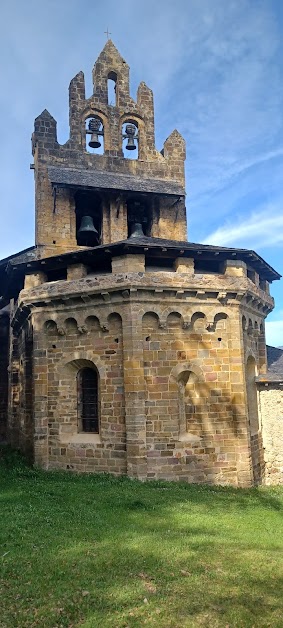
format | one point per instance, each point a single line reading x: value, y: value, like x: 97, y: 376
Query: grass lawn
x: 95, y: 551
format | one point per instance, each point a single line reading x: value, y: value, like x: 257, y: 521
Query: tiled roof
x: 275, y: 360
x: 21, y: 257
x: 153, y: 244
x: 113, y: 181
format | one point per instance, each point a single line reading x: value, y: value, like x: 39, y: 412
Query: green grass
x: 95, y: 551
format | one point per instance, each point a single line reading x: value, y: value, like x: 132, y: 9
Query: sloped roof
x: 96, y: 179
x: 274, y: 366
x: 275, y: 360
x: 137, y: 244
x: 26, y: 255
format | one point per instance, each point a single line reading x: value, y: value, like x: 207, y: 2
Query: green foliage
x: 96, y: 551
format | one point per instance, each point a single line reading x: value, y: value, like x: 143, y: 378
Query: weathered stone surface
x: 173, y: 330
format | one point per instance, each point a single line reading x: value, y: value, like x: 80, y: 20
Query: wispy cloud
x: 260, y: 229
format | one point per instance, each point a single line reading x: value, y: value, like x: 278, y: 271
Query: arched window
x: 130, y: 137
x: 88, y: 406
x: 112, y: 89
x: 94, y: 130
x: 88, y: 210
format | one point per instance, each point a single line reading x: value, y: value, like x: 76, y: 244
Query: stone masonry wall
x: 4, y: 361
x: 20, y: 419
x: 186, y: 380
x: 254, y: 353
x: 195, y: 427
x: 55, y: 213
x: 171, y: 354
x: 60, y: 352
x: 271, y: 412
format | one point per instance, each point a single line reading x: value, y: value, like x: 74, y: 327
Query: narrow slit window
x: 88, y: 413
x: 112, y: 89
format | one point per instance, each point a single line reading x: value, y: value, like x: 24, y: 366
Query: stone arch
x: 219, y: 319
x: 82, y: 359
x: 257, y: 328
x: 71, y: 325
x: 189, y: 380
x: 92, y: 322
x: 115, y: 327
x: 67, y: 399
x: 112, y: 93
x: 94, y: 114
x: 114, y: 319
x: 251, y: 354
x: 250, y: 326
x: 151, y: 320
x: 137, y: 121
x: 175, y: 319
x: 199, y: 322
x: 50, y: 327
x: 186, y: 366
x: 88, y: 399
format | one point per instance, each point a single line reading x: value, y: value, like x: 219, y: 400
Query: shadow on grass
x: 91, y: 551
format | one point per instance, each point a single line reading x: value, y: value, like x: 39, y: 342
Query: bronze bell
x: 87, y: 232
x: 94, y: 126
x: 136, y: 230
x: 130, y: 135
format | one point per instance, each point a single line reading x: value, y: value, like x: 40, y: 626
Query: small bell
x: 136, y: 230
x: 87, y: 233
x: 93, y: 127
x: 130, y: 135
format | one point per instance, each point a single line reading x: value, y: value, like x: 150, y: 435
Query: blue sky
x: 216, y: 69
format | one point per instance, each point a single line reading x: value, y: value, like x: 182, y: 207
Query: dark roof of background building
x: 275, y: 360
x: 274, y: 366
x: 21, y: 257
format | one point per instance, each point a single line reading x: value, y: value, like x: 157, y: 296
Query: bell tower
x: 88, y: 191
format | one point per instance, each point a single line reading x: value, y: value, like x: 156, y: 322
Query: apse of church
x: 131, y: 350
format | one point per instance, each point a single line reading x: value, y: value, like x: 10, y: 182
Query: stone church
x: 124, y: 347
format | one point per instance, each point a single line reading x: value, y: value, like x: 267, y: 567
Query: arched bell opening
x: 139, y: 217
x: 94, y: 130
x: 130, y: 139
x: 88, y: 218
x: 112, y: 89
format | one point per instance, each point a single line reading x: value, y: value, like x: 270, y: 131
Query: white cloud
x: 260, y: 229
